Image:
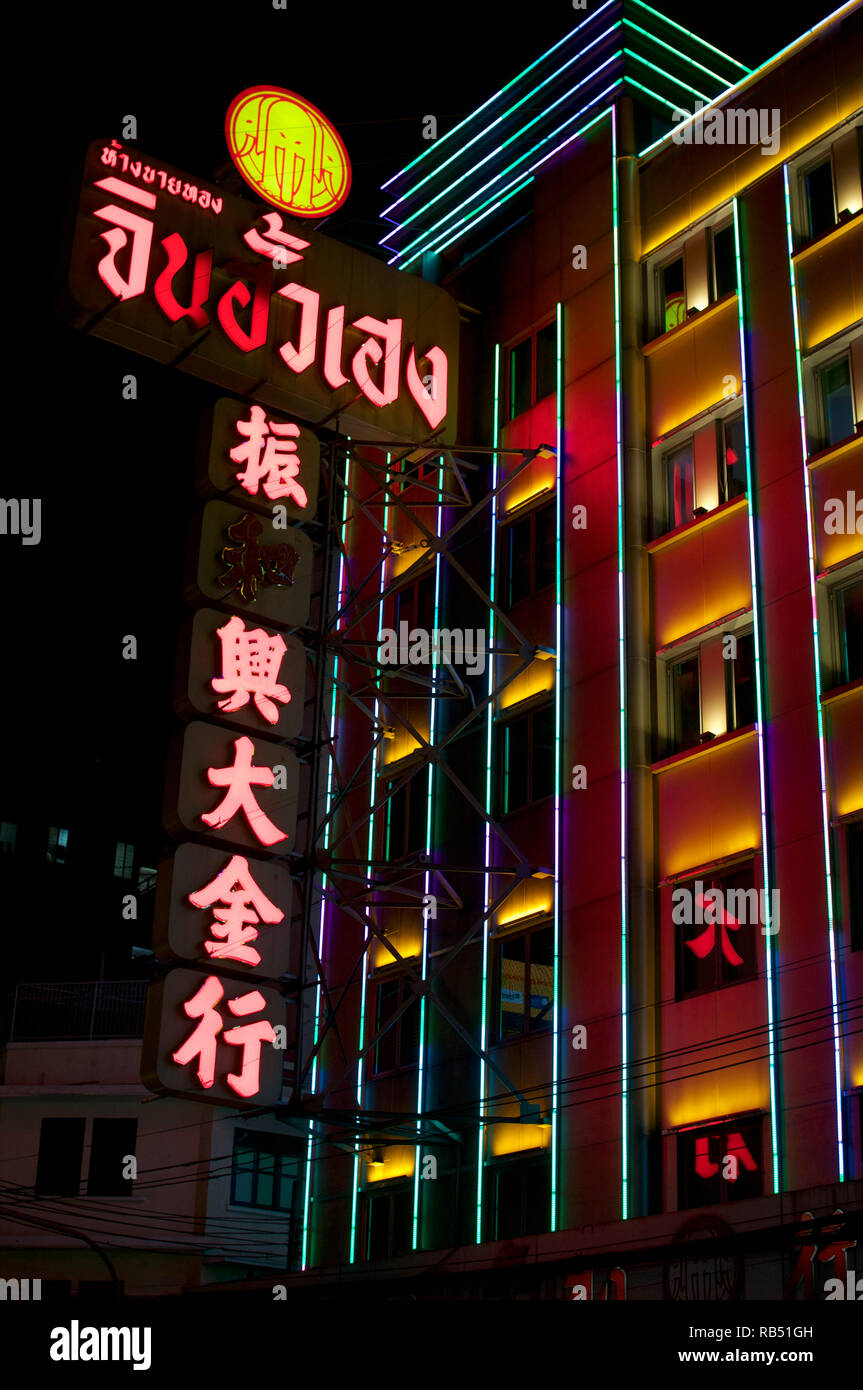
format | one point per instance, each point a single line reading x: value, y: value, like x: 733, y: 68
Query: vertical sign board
x: 253, y: 301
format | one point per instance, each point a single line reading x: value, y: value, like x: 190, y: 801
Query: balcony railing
x: 76, y: 1009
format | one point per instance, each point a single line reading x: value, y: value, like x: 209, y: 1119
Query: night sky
x: 84, y: 732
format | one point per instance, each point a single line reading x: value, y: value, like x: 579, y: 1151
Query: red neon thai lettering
x: 142, y: 237
x: 276, y: 243
x: 391, y: 332
x: 178, y: 254
x: 249, y: 1037
x: 250, y: 667
x: 261, y: 277
x: 433, y: 402
x: 270, y: 453
x: 333, y: 374
x: 239, y: 780
x: 244, y: 906
x: 300, y: 357
x: 203, y: 1040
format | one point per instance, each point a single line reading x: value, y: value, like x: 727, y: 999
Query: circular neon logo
x: 287, y: 151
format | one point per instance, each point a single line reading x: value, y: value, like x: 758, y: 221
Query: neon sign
x: 287, y: 151
x: 243, y: 300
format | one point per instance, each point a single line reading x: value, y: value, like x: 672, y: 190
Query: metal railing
x: 76, y: 1009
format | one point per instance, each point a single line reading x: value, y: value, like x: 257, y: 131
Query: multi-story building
x: 550, y: 1041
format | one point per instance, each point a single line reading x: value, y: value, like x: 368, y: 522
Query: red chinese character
x: 239, y: 780
x: 702, y: 945
x: 250, y: 666
x: 244, y: 908
x: 270, y: 453
x: 203, y: 1040
x: 250, y: 563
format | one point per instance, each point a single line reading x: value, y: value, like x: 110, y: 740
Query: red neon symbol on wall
x: 239, y: 780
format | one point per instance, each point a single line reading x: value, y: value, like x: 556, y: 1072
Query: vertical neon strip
x: 370, y: 852
x: 322, y: 917
x: 822, y: 747
x: 488, y: 804
x: 760, y: 727
x: 427, y: 882
x: 621, y: 647
x: 558, y: 699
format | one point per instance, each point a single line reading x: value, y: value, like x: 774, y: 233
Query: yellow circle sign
x: 287, y: 151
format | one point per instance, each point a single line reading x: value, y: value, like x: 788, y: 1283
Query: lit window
x: 528, y: 555
x: 520, y: 1198
x: 526, y: 759
x: 124, y: 860
x: 724, y: 261
x: 399, y: 1045
x: 685, y: 683
x: 733, y: 481
x: 740, y: 696
x: 820, y: 202
x: 680, y: 478
x: 523, y: 983
x: 8, y: 837
x: 719, y: 1163
x: 837, y: 401
x: 58, y: 842
x: 264, y: 1170
x: 716, y: 920
x: 672, y: 290
x: 849, y: 616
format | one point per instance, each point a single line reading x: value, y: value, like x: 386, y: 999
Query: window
x: 264, y: 1170
x: 400, y: 1044
x: 532, y: 370
x: 724, y: 261
x: 526, y: 759
x: 837, y: 401
x: 685, y: 683
x: 523, y: 983
x: 529, y: 555
x: 819, y: 200
x: 854, y: 852
x: 680, y: 481
x: 672, y: 295
x: 406, y: 815
x: 733, y: 459
x: 113, y: 1141
x: 388, y: 1223
x: 849, y: 614
x: 414, y: 604
x: 719, y: 1163
x: 8, y: 837
x: 521, y: 1199
x: 740, y: 695
x: 58, y: 841
x: 124, y: 860
x: 61, y: 1148
x: 717, y: 920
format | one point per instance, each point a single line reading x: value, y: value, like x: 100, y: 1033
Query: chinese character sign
x: 242, y: 298
x: 246, y: 675
x: 253, y: 567
x: 259, y: 460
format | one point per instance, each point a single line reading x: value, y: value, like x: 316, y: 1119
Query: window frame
x: 530, y: 1028
x: 379, y: 980
x: 391, y: 1192
x: 279, y: 1148
x: 819, y: 370
x: 744, y: 1123
x: 723, y: 225
x: 523, y: 1165
x: 507, y: 526
x: 528, y: 713
x: 534, y: 398
x: 713, y: 879
x: 816, y: 162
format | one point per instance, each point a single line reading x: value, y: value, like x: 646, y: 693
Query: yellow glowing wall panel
x: 706, y: 467
x: 398, y: 1162
x: 830, y: 281
x: 834, y: 480
x: 845, y: 745
x: 404, y: 929
x: 512, y: 1139
x: 403, y: 743
x: 687, y: 374
x: 713, y: 675
x: 531, y: 896
x: 537, y: 679
x: 708, y: 1097
x: 709, y: 806
x: 702, y: 576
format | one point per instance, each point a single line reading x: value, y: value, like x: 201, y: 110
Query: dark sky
x: 115, y: 478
